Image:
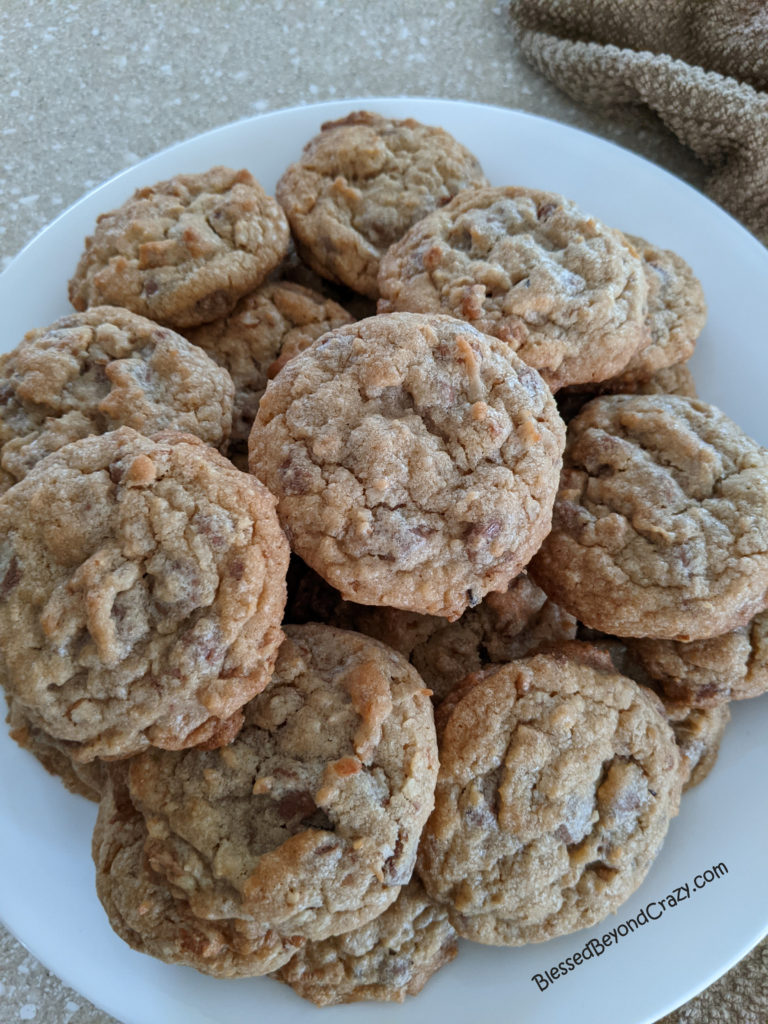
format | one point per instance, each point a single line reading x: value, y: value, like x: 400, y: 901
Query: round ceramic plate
x: 704, y: 902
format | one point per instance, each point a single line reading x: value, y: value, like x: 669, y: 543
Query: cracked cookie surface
x: 558, y: 779
x: 306, y: 825
x: 142, y: 584
x: 660, y: 527
x: 361, y: 183
x: 183, y: 251
x: 387, y: 959
x: 92, y: 372
x: 414, y: 460
x: 263, y: 331
x: 565, y: 292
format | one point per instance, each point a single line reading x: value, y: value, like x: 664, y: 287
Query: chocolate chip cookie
x: 142, y: 584
x: 558, y: 779
x: 705, y: 673
x: 676, y: 315
x: 153, y: 915
x: 361, y: 183
x: 183, y: 251
x: 661, y: 523
x: 387, y: 959
x: 414, y: 460
x: 83, y: 779
x: 306, y: 825
x: 95, y: 371
x: 565, y: 292
x: 263, y: 331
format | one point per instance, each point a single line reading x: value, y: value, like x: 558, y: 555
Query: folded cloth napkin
x: 700, y: 65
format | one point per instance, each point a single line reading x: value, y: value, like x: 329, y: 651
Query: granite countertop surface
x: 91, y: 88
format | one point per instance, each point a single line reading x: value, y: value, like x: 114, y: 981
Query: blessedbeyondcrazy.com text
x: 650, y: 912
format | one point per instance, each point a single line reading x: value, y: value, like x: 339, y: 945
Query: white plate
x: 46, y: 886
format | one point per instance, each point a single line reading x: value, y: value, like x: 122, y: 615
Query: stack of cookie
x: 278, y: 794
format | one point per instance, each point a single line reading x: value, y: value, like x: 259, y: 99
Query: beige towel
x: 700, y: 65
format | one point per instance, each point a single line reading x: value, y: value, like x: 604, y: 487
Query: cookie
x: 361, y: 183
x: 414, y: 460
x: 698, y: 733
x: 503, y: 626
x: 698, y: 730
x: 661, y: 522
x: 672, y: 380
x: 83, y: 779
x: 565, y: 292
x: 306, y: 825
x: 142, y: 584
x: 263, y: 331
x: 152, y: 914
x: 183, y: 251
x: 705, y: 673
x: 558, y: 779
x: 677, y: 312
x: 387, y: 959
x: 95, y: 371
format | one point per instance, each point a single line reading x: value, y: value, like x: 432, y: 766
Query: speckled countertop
x: 90, y: 88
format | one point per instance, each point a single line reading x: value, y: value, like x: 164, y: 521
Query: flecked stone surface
x: 89, y: 89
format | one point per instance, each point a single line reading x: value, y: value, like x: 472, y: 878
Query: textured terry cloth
x: 700, y: 65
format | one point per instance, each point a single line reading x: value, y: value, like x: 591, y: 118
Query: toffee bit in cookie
x: 389, y: 483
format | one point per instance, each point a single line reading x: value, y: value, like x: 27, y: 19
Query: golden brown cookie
x: 705, y: 673
x: 306, y: 825
x: 565, y: 292
x: 698, y: 733
x: 153, y: 915
x: 389, y: 958
x: 183, y: 251
x: 558, y: 779
x: 83, y: 779
x: 95, y: 371
x: 676, y: 315
x: 142, y: 584
x: 661, y: 522
x: 361, y: 183
x: 263, y: 331
x: 414, y: 460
